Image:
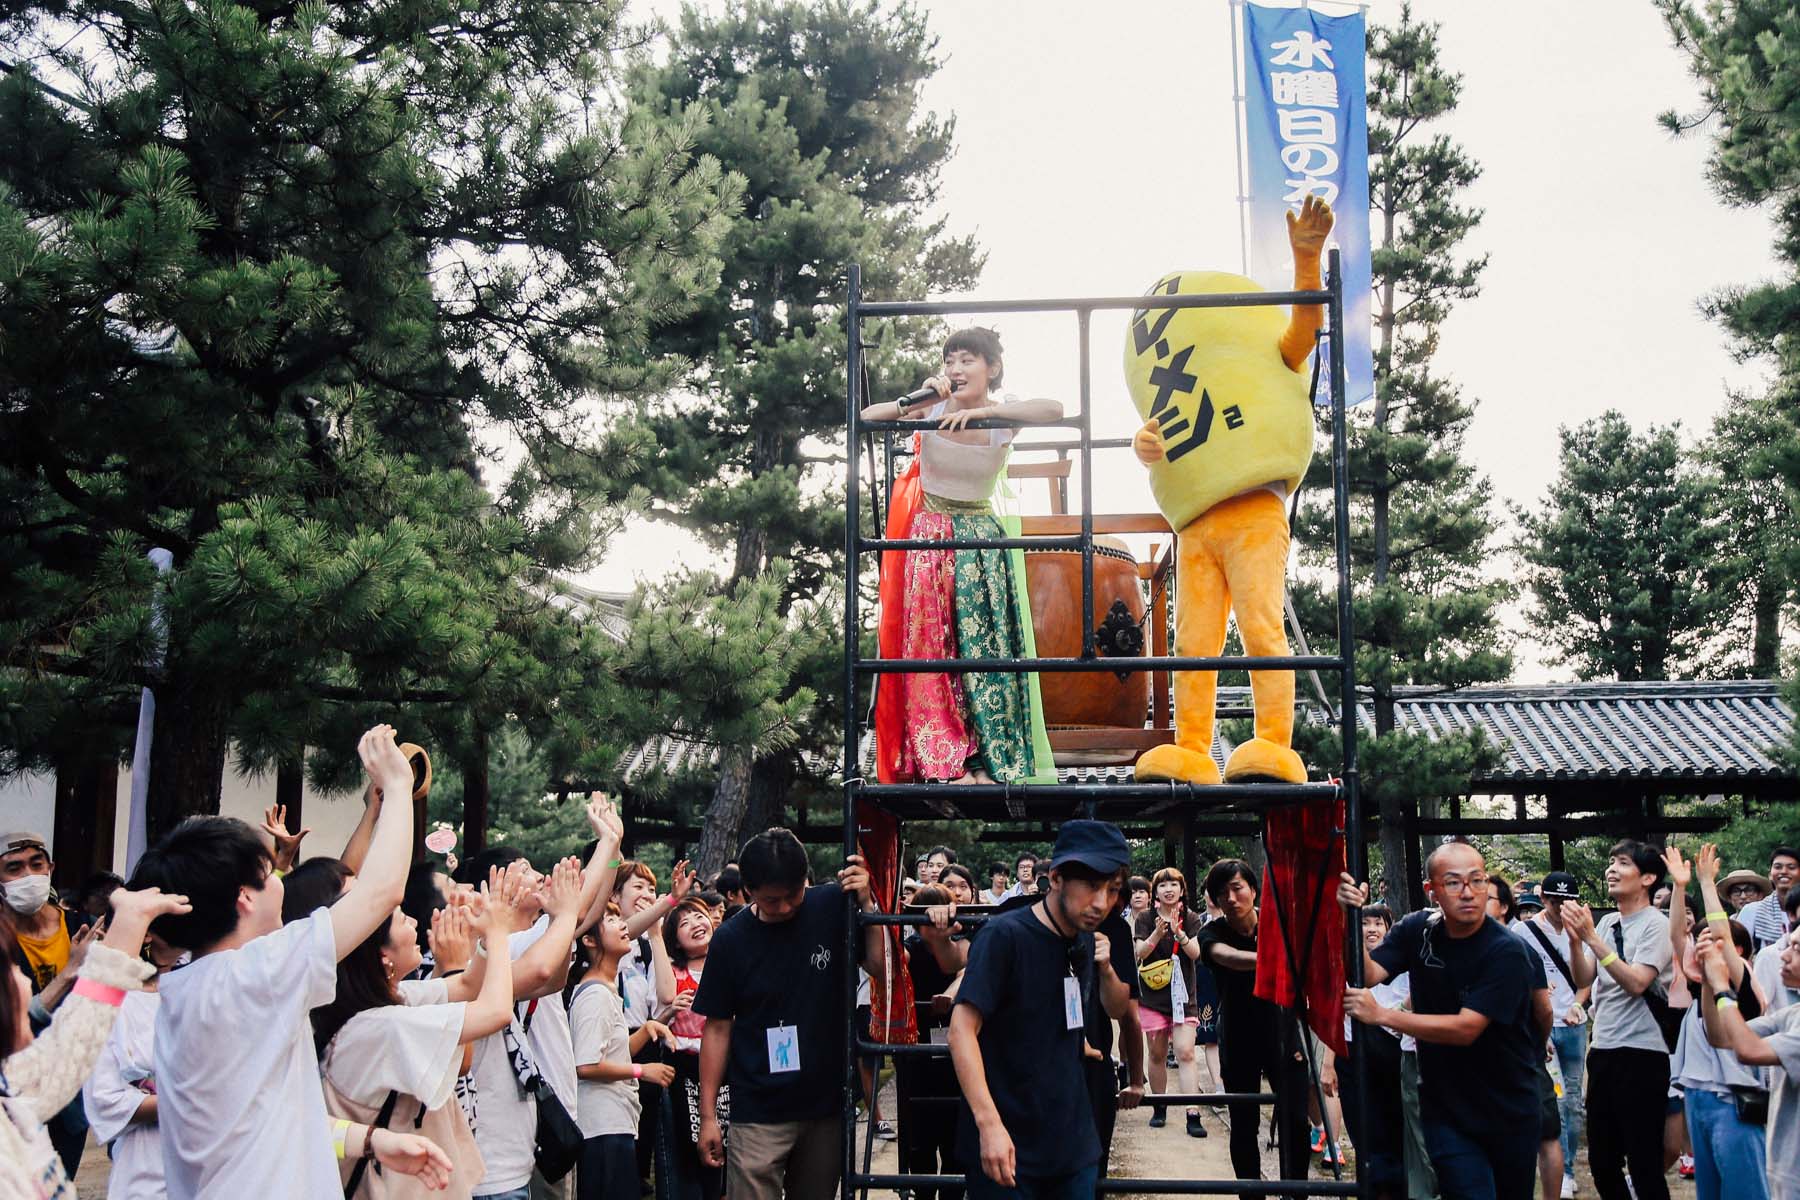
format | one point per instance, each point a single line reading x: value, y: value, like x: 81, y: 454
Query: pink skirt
x: 1155, y: 1022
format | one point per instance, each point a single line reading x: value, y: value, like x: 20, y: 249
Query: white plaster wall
x: 28, y: 802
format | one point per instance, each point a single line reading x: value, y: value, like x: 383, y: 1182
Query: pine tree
x: 1426, y: 613
x: 817, y: 107
x: 271, y: 280
x: 1741, y: 56
x: 1757, y: 513
x: 1627, y: 559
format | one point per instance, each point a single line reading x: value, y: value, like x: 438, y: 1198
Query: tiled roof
x: 1674, y: 732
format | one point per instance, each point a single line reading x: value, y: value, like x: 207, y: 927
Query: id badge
x: 1072, y: 1003
x: 784, y: 1049
x: 940, y: 1035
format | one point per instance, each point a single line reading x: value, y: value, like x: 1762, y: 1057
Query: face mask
x: 27, y: 894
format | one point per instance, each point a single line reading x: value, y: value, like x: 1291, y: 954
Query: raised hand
x: 854, y: 878
x: 1579, y: 918
x: 1308, y: 228
x: 451, y: 938
x: 681, y: 882
x: 132, y: 912
x: 604, y: 819
x: 562, y: 889
x: 1147, y: 443
x: 1706, y: 863
x: 410, y: 1154
x: 507, y: 897
x: 1680, y: 874
x: 1711, y: 952
x: 381, y: 758
x: 287, y: 845
x: 1352, y: 894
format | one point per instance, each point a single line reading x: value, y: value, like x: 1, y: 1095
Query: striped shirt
x: 1765, y: 920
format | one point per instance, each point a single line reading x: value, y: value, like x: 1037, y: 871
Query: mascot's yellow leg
x: 1251, y: 535
x: 1201, y: 607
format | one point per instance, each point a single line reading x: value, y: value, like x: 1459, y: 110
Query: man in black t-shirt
x: 774, y: 1004
x: 1119, y: 970
x: 1480, y: 1015
x: 1019, y: 1030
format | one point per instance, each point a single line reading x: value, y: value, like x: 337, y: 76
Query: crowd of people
x: 231, y: 1022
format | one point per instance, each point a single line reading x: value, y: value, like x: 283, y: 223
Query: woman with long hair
x: 974, y: 728
x: 687, y: 936
x: 390, y: 1047
x: 43, y: 1075
x: 1168, y: 947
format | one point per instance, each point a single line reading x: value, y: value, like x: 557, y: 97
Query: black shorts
x: 1549, y: 1114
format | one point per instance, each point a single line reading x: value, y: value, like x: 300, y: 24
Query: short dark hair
x: 1790, y: 904
x: 984, y: 343
x: 947, y: 852
x: 672, y: 928
x: 998, y: 868
x: 1645, y: 857
x: 1137, y: 884
x: 314, y: 884
x: 1027, y: 857
x: 422, y: 899
x: 1379, y: 912
x: 206, y: 859
x: 930, y: 893
x: 99, y: 881
x: 1223, y: 872
x: 1502, y: 890
x: 1784, y: 852
x: 961, y: 871
x: 731, y: 879
x: 773, y: 858
x: 474, y: 871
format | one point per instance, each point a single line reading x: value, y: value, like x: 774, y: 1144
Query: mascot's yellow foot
x: 1262, y: 761
x: 1161, y: 763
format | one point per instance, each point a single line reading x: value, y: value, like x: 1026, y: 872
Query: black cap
x: 1528, y: 900
x: 1098, y: 845
x: 1559, y: 885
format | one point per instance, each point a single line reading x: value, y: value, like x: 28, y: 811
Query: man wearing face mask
x: 51, y: 941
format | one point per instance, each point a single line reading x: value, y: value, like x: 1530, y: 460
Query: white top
x: 548, y: 1024
x: 1389, y: 993
x: 1766, y: 970
x: 412, y: 1048
x: 112, y: 1096
x: 1562, y: 991
x: 500, y: 1115
x: 959, y: 470
x: 238, y: 1095
x: 597, y: 1019
x: 637, y: 987
x: 1782, y: 1032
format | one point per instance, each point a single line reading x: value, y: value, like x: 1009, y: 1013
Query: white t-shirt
x: 413, y: 1049
x: 548, y: 1025
x: 111, y: 1097
x: 597, y: 1020
x: 238, y: 1094
x: 637, y: 986
x: 500, y: 1115
x: 1562, y: 992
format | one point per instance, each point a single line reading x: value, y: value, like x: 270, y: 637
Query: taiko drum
x: 1085, y: 698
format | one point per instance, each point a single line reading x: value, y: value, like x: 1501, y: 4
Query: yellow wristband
x: 1717, y: 916
x: 1726, y: 1002
x: 1609, y: 960
x: 340, y: 1135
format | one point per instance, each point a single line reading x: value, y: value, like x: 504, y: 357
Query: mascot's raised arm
x: 1227, y: 435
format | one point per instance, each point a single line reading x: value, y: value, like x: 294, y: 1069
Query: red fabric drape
x: 890, y: 712
x: 892, y: 1017
x: 1303, y: 840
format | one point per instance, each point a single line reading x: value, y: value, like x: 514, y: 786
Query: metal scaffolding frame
x: 1069, y: 800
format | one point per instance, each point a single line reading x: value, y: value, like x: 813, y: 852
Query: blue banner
x: 1306, y: 127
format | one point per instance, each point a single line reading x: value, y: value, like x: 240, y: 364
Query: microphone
x: 917, y: 395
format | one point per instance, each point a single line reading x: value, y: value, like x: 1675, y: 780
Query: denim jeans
x: 1079, y: 1186
x: 518, y: 1193
x: 1570, y: 1042
x: 1725, y: 1148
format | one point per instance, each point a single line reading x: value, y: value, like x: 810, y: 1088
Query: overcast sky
x: 1095, y: 152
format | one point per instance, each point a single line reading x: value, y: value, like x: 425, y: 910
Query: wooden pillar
x: 1415, y: 861
x: 86, y: 805
x: 1557, y: 860
x: 475, y: 795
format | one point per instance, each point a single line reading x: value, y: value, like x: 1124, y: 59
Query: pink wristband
x: 100, y: 992
x: 637, y: 1070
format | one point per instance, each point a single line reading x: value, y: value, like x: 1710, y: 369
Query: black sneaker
x: 1159, y: 1117
x: 1195, y: 1128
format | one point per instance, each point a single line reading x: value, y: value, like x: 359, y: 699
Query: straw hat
x: 1744, y: 876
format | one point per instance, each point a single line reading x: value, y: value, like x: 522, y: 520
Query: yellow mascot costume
x: 1227, y: 435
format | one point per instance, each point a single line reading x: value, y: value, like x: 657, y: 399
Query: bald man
x: 1480, y: 1013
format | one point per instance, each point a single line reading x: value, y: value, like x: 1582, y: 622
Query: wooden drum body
x: 1086, y: 698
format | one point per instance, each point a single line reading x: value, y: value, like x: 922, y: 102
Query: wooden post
x: 86, y: 804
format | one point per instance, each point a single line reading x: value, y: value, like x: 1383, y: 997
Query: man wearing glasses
x: 1480, y: 1013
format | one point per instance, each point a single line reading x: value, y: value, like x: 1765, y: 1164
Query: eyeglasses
x: 1473, y: 885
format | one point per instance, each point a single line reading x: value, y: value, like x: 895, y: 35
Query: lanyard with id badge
x: 784, y: 1049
